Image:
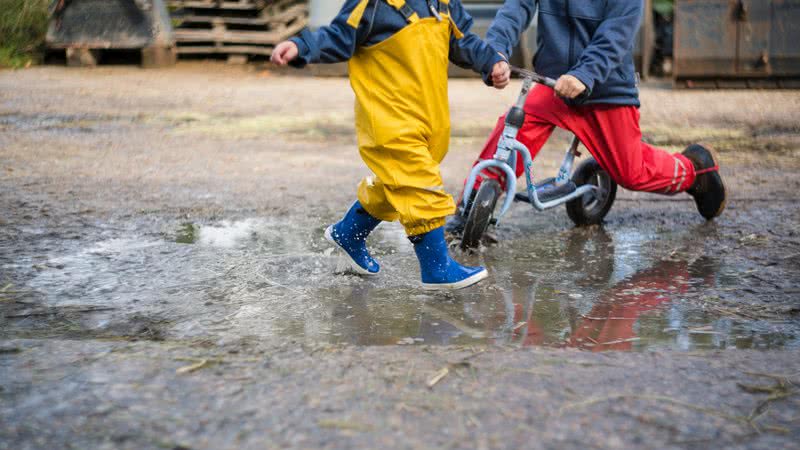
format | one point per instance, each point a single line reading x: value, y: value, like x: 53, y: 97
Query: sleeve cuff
x: 585, y: 79
x: 486, y: 73
x: 304, y: 52
x: 499, y: 47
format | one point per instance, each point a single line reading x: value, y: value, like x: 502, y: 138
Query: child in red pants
x: 587, y: 47
x: 612, y: 135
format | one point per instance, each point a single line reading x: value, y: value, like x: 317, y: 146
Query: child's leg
x: 407, y: 186
x: 372, y: 196
x: 350, y: 234
x: 613, y: 137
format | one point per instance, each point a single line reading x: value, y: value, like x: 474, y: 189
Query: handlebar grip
x: 549, y: 82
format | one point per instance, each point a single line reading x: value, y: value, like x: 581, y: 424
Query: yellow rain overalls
x: 403, y: 119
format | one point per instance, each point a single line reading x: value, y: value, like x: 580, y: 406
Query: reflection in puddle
x: 599, y: 300
x: 587, y: 289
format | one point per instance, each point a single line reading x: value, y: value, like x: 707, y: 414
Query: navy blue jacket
x: 589, y: 39
x: 338, y: 41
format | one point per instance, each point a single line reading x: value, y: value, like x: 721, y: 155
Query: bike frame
x: 505, y: 158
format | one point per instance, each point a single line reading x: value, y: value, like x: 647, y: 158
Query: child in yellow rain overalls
x: 398, y: 53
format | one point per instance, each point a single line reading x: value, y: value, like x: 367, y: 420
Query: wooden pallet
x: 239, y: 5
x: 244, y: 27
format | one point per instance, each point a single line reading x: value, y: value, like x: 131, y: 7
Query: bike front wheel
x: 480, y: 213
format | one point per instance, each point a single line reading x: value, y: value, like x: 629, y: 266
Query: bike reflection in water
x: 638, y: 308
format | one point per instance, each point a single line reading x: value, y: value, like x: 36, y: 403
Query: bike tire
x: 480, y: 213
x: 591, y: 209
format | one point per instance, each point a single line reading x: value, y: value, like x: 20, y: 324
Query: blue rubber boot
x: 439, y: 270
x: 350, y: 234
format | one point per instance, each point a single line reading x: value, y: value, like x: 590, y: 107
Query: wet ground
x: 164, y: 281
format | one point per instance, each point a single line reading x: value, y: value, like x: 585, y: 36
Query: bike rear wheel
x: 591, y: 208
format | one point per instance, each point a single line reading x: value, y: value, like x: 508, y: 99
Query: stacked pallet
x: 235, y: 27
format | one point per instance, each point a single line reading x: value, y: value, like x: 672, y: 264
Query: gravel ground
x: 94, y: 394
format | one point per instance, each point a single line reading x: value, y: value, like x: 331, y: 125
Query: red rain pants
x: 611, y: 134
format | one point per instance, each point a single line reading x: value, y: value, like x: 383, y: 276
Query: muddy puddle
x: 618, y: 288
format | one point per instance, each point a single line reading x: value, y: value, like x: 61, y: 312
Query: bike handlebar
x: 535, y: 77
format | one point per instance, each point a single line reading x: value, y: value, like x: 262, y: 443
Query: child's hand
x: 501, y: 75
x: 569, y: 87
x: 284, y: 52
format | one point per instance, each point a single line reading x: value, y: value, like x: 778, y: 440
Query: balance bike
x: 588, y: 192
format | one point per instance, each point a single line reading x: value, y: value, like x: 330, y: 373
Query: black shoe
x: 708, y: 189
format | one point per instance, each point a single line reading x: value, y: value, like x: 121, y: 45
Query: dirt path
x: 94, y: 394
x: 164, y: 282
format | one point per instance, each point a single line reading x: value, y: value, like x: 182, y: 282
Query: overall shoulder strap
x: 408, y: 12
x: 444, y: 10
x: 444, y: 7
x: 357, y: 14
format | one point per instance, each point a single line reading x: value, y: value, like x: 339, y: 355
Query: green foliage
x: 23, y: 24
x: 664, y: 7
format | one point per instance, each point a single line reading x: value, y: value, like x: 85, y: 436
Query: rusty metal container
x: 736, y: 43
x: 86, y: 27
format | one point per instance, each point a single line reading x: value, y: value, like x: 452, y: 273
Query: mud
x: 154, y: 221
x: 63, y: 394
